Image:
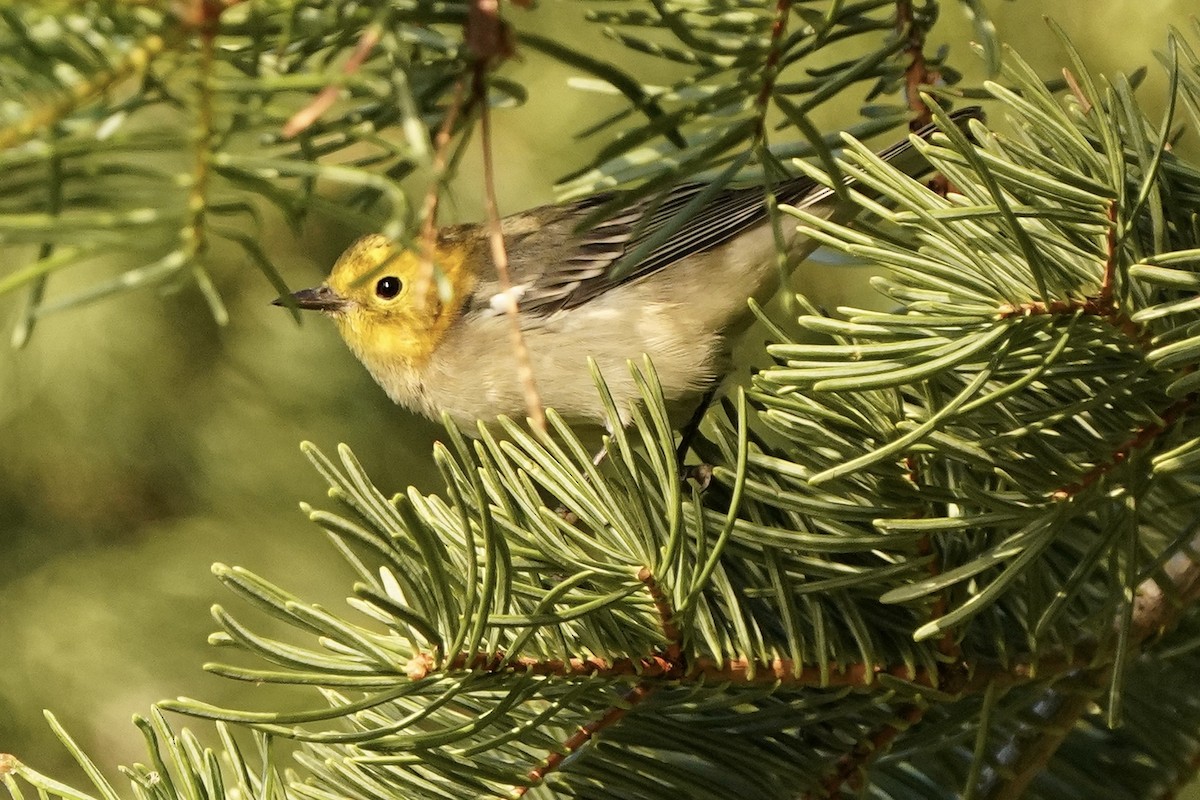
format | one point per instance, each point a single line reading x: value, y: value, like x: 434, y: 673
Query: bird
x: 682, y: 304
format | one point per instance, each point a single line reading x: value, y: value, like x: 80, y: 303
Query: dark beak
x: 320, y: 298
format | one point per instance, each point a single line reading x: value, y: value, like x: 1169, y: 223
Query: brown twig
x: 584, y: 735
x: 305, y: 117
x: 1140, y: 439
x: 672, y: 660
x: 770, y: 69
x: 1103, y: 304
x: 850, y: 767
x: 1094, y: 306
x: 533, y: 400
x: 917, y: 73
x: 490, y: 41
x: 666, y: 616
x: 201, y: 15
x: 960, y: 677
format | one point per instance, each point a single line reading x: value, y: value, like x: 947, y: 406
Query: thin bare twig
x: 305, y: 117
x: 614, y: 714
x: 917, y: 73
x: 533, y: 400
x: 770, y: 69
x: 490, y: 41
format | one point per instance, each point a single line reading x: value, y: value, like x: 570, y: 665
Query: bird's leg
x: 701, y: 473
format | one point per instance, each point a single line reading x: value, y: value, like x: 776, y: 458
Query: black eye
x: 388, y: 287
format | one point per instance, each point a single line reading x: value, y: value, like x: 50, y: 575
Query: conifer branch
x: 1140, y: 440
x: 671, y: 659
x: 581, y: 737
x: 960, y: 677
x: 1158, y: 604
x: 40, y: 118
x: 850, y: 769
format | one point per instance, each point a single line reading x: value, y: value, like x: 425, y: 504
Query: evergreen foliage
x: 946, y: 549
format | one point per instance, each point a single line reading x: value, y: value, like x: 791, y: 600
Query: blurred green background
x: 142, y: 442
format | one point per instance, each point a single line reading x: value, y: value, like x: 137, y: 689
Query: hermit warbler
x: 679, y: 305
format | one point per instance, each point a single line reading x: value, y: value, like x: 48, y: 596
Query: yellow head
x: 373, y: 294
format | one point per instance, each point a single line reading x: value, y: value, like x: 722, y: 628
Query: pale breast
x: 678, y: 316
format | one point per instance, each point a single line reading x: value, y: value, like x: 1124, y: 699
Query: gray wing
x: 561, y: 276
x: 562, y: 267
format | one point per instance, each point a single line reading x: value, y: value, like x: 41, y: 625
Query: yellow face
x: 390, y: 307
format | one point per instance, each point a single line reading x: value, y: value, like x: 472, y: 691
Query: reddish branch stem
x: 584, y: 735
x: 961, y: 676
x: 672, y: 665
x: 849, y: 768
x: 1103, y: 305
x: 1140, y: 439
x: 666, y: 616
x: 917, y: 73
x: 771, y: 66
x: 305, y: 117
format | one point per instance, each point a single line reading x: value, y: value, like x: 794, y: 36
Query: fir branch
x: 935, y: 522
x: 45, y: 116
x: 631, y: 699
x: 1158, y: 604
